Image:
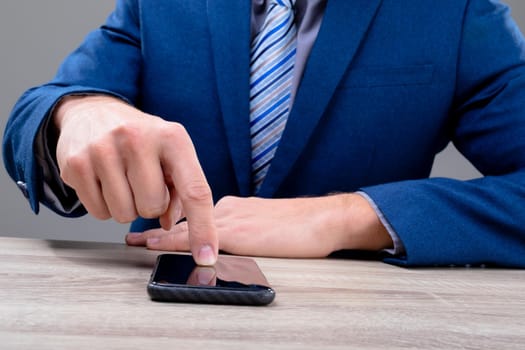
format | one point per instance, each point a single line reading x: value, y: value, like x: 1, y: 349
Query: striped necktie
x: 271, y: 71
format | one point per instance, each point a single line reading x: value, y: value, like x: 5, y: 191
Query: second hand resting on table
x: 295, y: 228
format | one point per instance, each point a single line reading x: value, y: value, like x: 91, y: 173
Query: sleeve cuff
x: 399, y: 248
x: 57, y: 195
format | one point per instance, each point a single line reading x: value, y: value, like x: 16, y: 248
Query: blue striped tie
x: 272, y: 63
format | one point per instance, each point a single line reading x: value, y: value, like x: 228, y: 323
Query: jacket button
x: 23, y: 188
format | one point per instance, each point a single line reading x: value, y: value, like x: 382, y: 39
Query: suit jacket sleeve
x: 88, y: 70
x: 482, y: 221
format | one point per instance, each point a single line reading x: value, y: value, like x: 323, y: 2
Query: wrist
x: 361, y: 227
x: 71, y: 104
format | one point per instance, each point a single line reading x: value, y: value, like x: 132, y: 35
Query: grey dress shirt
x: 308, y: 16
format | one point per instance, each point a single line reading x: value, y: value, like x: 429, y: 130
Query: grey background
x: 34, y: 38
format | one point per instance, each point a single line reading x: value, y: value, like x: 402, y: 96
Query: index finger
x: 180, y: 163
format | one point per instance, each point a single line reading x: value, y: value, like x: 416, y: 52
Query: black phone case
x: 189, y: 294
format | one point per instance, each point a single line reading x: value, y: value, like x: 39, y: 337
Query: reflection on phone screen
x: 228, y: 272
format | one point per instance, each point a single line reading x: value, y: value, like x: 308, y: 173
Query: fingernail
x: 206, y: 256
x: 134, y: 235
x: 153, y: 241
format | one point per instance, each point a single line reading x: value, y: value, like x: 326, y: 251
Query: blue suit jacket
x: 388, y: 84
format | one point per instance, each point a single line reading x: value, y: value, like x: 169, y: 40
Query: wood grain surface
x: 76, y: 295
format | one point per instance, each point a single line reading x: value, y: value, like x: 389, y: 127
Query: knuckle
x: 75, y: 166
x: 196, y: 191
x: 102, y: 216
x: 99, y: 213
x: 124, y: 217
x: 176, y: 129
x: 121, y: 211
x: 100, y: 150
x: 129, y: 137
x: 152, y: 204
x: 175, y: 132
x: 151, y: 212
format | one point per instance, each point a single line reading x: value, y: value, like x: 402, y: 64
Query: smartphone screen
x: 232, y: 280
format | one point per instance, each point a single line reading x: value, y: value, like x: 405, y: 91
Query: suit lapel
x: 344, y: 26
x: 230, y: 38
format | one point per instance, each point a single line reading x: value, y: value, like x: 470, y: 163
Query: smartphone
x: 232, y: 280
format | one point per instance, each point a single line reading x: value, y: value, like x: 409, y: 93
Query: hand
x: 123, y: 163
x: 300, y: 227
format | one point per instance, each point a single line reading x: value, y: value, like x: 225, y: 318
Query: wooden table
x: 76, y: 295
